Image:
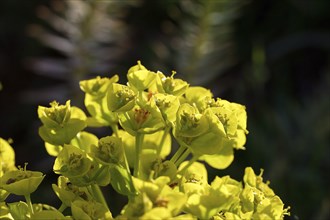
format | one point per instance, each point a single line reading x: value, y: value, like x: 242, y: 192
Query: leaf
x: 121, y: 180
x: 53, y: 150
x: 221, y: 160
x: 84, y: 140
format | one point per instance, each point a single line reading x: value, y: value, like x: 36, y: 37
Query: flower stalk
x: 138, y: 144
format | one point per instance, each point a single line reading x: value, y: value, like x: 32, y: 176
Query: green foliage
x: 144, y: 115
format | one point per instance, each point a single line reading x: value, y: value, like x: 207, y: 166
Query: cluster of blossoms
x: 161, y: 180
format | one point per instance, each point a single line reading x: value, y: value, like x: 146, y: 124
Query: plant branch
x: 138, y: 150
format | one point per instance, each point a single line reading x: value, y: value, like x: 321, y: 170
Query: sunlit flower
x: 21, y: 181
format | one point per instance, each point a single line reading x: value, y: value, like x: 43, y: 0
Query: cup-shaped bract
x: 195, y: 131
x: 228, y: 120
x: 156, y: 200
x: 214, y: 199
x: 89, y: 210
x: 137, y: 207
x: 222, y: 158
x: 170, y: 200
x: 165, y: 168
x: 140, y: 78
x: 52, y: 149
x: 152, y: 166
x: 21, y: 182
x: 209, y: 143
x: 97, y: 87
x: 228, y: 186
x: 56, y: 115
x: 72, y: 162
x: 189, y: 122
x: 68, y: 192
x: 152, y: 189
x: 170, y: 85
x: 136, y: 67
x: 61, y: 123
x: 84, y: 140
x: 96, y: 100
x: 120, y: 98
x: 147, y: 119
x: 234, y: 122
x: 250, y: 178
x: 237, y: 109
x: 263, y: 199
x: 108, y: 151
x: 168, y: 106
x: 194, y: 179
x: 198, y: 96
x: 148, y: 159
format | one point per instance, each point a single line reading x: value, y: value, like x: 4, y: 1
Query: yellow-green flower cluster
x: 226, y: 198
x: 139, y: 159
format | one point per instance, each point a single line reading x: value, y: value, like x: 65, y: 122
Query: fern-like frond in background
x: 87, y: 36
x: 208, y: 49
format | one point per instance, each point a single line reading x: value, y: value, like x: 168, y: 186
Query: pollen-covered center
x: 75, y: 161
x: 56, y: 112
x: 21, y: 174
x: 161, y: 202
x: 168, y: 84
x: 124, y: 95
x: 106, y: 150
x: 141, y: 115
x: 189, y: 121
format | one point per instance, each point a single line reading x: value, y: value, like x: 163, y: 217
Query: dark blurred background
x: 271, y: 56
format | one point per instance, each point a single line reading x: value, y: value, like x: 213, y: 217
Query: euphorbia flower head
x: 21, y: 182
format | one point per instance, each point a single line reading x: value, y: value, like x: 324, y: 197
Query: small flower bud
x: 171, y: 86
x: 98, y: 86
x: 120, y: 98
x: 140, y: 78
x: 72, y: 162
x: 108, y: 151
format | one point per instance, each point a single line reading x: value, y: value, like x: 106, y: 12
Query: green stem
x: 126, y: 162
x: 115, y: 132
x: 140, y: 95
x: 182, y: 157
x: 114, y: 128
x: 161, y: 144
x: 178, y: 153
x: 98, y: 195
x: 98, y: 172
x: 29, y: 203
x: 62, y: 207
x: 138, y: 150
